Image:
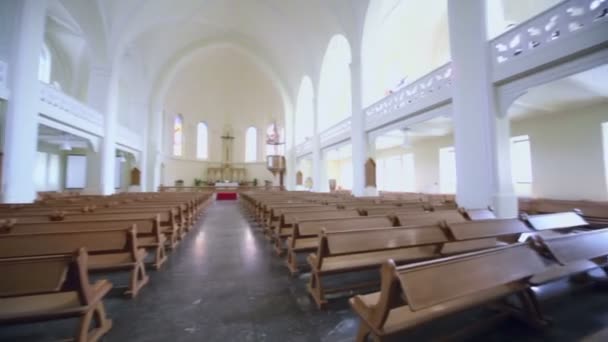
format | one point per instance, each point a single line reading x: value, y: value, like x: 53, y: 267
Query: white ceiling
x: 580, y: 90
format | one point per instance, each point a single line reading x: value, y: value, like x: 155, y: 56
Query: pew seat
x: 109, y: 250
x: 36, y: 289
x: 417, y: 294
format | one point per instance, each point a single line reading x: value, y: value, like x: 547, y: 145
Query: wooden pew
x: 288, y: 216
x: 37, y: 289
x: 304, y: 237
x: 150, y: 233
x: 109, y: 250
x: 343, y: 252
x: 424, y: 218
x: 574, y: 253
x: 477, y: 214
x: 417, y: 294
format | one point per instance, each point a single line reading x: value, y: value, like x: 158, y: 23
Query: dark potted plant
x: 198, y: 182
x: 255, y: 182
x: 179, y: 182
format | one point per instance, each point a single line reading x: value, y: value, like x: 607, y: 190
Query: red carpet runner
x: 226, y: 196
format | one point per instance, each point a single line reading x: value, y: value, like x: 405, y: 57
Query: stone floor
x: 224, y: 283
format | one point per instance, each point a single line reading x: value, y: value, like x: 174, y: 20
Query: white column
x: 21, y: 122
x: 358, y: 136
x: 480, y: 137
x: 316, y: 149
x: 103, y: 97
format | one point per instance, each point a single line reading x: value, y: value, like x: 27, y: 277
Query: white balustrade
x: 551, y: 26
x: 128, y: 137
x: 3, y: 80
x: 304, y: 147
x: 68, y: 105
x: 337, y: 132
x: 433, y: 83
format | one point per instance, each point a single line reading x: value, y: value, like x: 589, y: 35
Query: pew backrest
x: 555, y: 221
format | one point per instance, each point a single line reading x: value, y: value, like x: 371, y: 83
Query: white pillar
x: 103, y: 97
x: 358, y: 136
x: 21, y: 122
x: 316, y: 149
x: 480, y: 137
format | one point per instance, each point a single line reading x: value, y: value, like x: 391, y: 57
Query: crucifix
x: 227, y: 143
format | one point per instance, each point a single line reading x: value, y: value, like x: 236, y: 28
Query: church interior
x: 305, y: 170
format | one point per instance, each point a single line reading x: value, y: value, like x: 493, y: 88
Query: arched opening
x: 335, y: 84
x: 202, y: 141
x: 251, y: 145
x: 304, y: 121
x: 401, y: 42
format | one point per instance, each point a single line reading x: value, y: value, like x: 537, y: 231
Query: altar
x: 226, y: 185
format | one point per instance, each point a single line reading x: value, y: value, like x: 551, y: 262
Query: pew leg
x: 532, y: 313
x: 139, y: 278
x: 96, y: 316
x: 278, y: 245
x: 292, y: 263
x: 315, y: 289
x: 363, y: 332
x: 161, y: 257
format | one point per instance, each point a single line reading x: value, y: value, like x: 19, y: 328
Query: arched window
x: 44, y: 65
x: 178, y: 135
x: 251, y: 145
x: 202, y: 141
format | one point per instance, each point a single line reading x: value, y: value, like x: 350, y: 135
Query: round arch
x: 304, y: 114
x: 334, y: 99
x: 401, y: 44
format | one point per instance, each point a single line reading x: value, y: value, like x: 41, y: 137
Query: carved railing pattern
x: 56, y: 98
x: 304, y: 147
x: 566, y: 18
x: 3, y: 74
x: 423, y: 87
x: 337, y: 130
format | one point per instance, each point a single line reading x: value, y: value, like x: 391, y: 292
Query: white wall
x: 222, y: 88
x: 426, y: 160
x: 567, y: 153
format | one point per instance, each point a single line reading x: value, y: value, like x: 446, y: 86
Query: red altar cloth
x: 226, y: 196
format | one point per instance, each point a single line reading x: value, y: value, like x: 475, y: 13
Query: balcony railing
x: 547, y: 28
x: 430, y: 84
x: 336, y: 132
x: 68, y: 105
x: 304, y: 147
x: 3, y: 80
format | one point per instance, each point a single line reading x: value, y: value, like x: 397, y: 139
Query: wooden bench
x: 414, y: 295
x: 109, y: 250
x: 288, y: 216
x: 574, y: 253
x: 477, y: 214
x: 150, y: 234
x: 343, y: 252
x: 304, y: 237
x: 38, y: 289
x: 426, y: 218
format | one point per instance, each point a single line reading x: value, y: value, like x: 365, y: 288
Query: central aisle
x: 224, y: 283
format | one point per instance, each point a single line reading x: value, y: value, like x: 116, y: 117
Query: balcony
x: 60, y: 107
x: 336, y: 133
x: 571, y: 28
x: 429, y: 91
x: 4, y: 93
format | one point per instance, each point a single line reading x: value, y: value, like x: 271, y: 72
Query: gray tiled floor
x: 224, y: 283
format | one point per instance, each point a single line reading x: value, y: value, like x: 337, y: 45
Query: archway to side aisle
x: 559, y: 138
x: 416, y: 157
